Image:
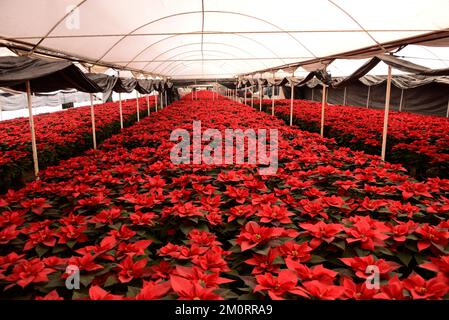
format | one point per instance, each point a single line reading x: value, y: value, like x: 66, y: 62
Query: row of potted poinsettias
x: 419, y: 142
x: 59, y: 135
x: 138, y: 226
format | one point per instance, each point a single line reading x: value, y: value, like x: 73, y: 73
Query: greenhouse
x: 224, y: 150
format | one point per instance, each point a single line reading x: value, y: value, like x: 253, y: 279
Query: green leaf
x: 405, y: 258
x: 111, y: 280
x: 132, y: 292
x: 86, y: 279
x: 41, y: 250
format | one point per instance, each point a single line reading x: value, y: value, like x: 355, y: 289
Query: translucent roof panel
x: 216, y: 38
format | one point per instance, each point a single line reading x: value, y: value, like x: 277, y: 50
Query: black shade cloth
x: 395, y: 63
x: 44, y: 75
x: 125, y: 85
x: 144, y: 86
x: 104, y: 81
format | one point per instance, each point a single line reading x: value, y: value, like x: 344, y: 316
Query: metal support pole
x: 155, y: 100
x: 261, y: 95
x: 367, y: 98
x: 120, y: 109
x: 137, y: 106
x: 323, y: 109
x: 252, y: 96
x: 292, y: 96
x: 272, y: 99
x: 312, y: 94
x: 33, y: 133
x: 245, y: 95
x: 401, y: 103
x: 447, y: 113
x: 92, y: 116
x: 148, y: 104
x: 344, y: 97
x: 387, y: 110
x: 165, y: 93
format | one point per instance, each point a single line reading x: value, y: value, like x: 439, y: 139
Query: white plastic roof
x: 216, y: 38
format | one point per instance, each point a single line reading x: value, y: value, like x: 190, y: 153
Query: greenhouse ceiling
x: 221, y: 39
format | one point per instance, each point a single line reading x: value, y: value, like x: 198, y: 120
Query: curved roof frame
x: 176, y: 35
x: 194, y: 43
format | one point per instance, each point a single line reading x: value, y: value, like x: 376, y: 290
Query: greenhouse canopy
x: 224, y: 39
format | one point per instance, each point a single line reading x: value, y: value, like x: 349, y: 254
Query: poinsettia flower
x: 274, y: 213
x: 322, y: 231
x: 36, y: 205
x: 106, y: 216
x: 124, y: 233
x: 29, y: 271
x: 132, y: 249
x: 420, y: 288
x: 238, y: 194
x: 305, y: 273
x: 153, y: 290
x: 410, y: 189
x: 203, y: 238
x: 8, y: 218
x: 131, y: 270
x: 52, y: 295
x: 85, y: 263
x: 143, y: 219
x: 192, y: 290
x: 313, y: 208
x: 204, y: 278
x: 393, y: 290
x: 431, y: 235
x: 7, y: 234
x: 97, y: 293
x: 264, y: 263
x: 367, y: 236
x: 277, y: 287
x: 295, y: 251
x: 241, y: 211
x: 438, y: 264
x: 10, y: 259
x: 360, y: 265
x: 323, y: 291
x: 44, y: 236
x: 212, y: 260
x: 356, y: 291
x: 402, y: 230
x: 253, y: 235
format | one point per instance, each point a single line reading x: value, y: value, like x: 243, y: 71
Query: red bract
x: 277, y: 287
x: 192, y: 290
x: 393, y: 290
x: 322, y: 232
x: 153, y: 291
x: 366, y: 235
x: 270, y: 214
x: 253, y: 235
x: 360, y: 265
x: 8, y: 233
x: 294, y: 251
x: 36, y: 205
x: 305, y: 273
x: 97, y: 293
x: 419, y: 288
x: 131, y: 270
x: 323, y: 291
x: 28, y: 271
x: 431, y: 235
x: 264, y: 263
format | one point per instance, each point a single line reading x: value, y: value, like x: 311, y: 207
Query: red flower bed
x: 139, y: 227
x: 419, y: 142
x: 59, y: 135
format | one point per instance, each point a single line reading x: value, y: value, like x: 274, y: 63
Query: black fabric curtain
x: 44, y: 75
x: 144, y: 86
x: 125, y: 85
